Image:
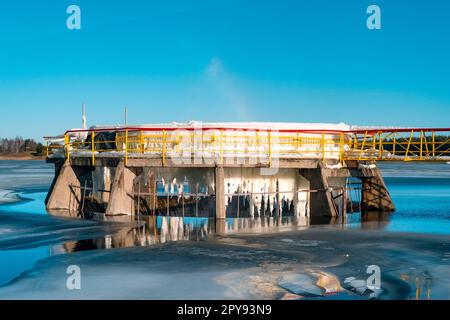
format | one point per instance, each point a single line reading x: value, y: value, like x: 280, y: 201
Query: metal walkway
x: 266, y: 145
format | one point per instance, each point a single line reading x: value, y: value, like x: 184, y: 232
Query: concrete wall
x: 121, y: 200
x: 228, y: 191
x: 268, y: 195
x: 65, y: 193
x: 102, y: 178
x: 375, y: 195
x: 322, y: 203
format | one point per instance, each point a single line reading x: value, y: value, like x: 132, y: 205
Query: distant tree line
x: 19, y: 144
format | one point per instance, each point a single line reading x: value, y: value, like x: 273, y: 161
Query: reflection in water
x: 420, y: 282
x: 372, y: 220
x: 162, y: 229
x: 375, y: 220
x: 153, y: 230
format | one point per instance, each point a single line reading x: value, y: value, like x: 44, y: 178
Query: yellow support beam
x: 409, y: 144
x: 126, y: 147
x: 394, y: 143
x: 221, y: 146
x: 380, y: 143
x: 323, y: 146
x: 93, y: 147
x: 163, y: 148
x: 433, y: 143
x: 67, y: 145
x: 362, y: 145
x: 421, y: 145
x: 141, y: 142
x: 341, y: 148
x: 269, y: 148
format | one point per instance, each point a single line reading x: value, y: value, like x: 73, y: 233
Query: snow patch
x: 8, y: 196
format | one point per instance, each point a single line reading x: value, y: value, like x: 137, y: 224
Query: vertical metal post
x: 421, y: 144
x: 126, y: 147
x: 362, y: 145
x: 67, y: 145
x: 238, y: 203
x: 154, y: 196
x: 182, y: 200
x: 46, y: 150
x: 221, y: 146
x: 168, y: 202
x: 394, y: 143
x: 433, y: 144
x: 374, y: 142
x: 380, y: 145
x: 341, y: 148
x: 84, y: 197
x: 139, y: 201
x: 323, y: 146
x: 141, y: 141
x: 252, y: 208
x: 196, y: 200
x: 93, y: 147
x: 269, y: 150
x: 163, y: 148
x: 409, y: 144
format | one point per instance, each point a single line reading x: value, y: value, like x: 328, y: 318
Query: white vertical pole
x: 83, y: 116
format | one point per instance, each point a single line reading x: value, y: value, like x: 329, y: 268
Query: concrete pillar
x: 65, y: 193
x: 221, y: 226
x: 120, y: 200
x: 321, y: 201
x: 375, y: 196
x: 220, y: 192
x: 58, y: 165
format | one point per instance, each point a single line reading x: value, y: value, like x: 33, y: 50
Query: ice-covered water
x: 34, y: 245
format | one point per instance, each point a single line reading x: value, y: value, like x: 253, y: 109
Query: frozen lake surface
x: 261, y: 258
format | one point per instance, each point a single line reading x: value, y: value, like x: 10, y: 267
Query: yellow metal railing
x: 362, y: 145
x: 413, y: 145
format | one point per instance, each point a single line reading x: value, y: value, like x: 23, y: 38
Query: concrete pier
x: 321, y: 199
x: 375, y: 195
x: 309, y: 188
x: 65, y: 192
x: 220, y: 192
x: 121, y: 200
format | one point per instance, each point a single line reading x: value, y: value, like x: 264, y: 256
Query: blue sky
x: 211, y: 60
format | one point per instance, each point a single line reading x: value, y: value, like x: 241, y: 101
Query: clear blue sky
x: 211, y: 60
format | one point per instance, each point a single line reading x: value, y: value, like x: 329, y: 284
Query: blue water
x: 14, y: 262
x: 421, y: 196
x: 32, y: 202
x: 423, y: 205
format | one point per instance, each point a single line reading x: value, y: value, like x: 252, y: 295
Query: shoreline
x: 21, y: 157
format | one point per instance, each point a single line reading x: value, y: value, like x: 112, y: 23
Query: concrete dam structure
x: 226, y: 170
